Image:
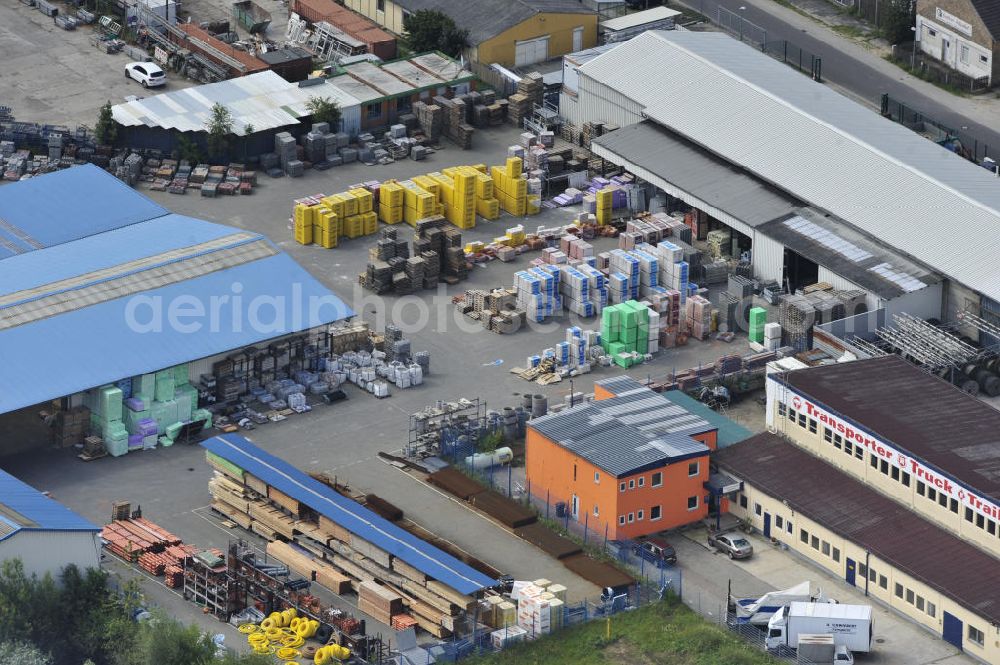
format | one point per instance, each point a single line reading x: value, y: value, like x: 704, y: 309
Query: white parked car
x: 148, y: 74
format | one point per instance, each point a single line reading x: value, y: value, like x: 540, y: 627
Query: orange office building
x: 631, y: 462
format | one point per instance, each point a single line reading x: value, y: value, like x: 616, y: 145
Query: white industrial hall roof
x: 817, y: 145
x: 264, y: 100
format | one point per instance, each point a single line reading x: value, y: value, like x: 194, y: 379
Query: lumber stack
x: 130, y: 538
x: 379, y: 602
x: 322, y: 550
x: 310, y: 568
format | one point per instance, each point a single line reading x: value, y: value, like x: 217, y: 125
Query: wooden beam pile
x: 129, y: 539
x: 333, y: 556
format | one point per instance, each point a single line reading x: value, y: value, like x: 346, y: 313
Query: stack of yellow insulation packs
x: 418, y: 203
x: 390, y: 202
x: 510, y: 187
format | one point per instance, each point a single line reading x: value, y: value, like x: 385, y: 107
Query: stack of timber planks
x: 322, y: 550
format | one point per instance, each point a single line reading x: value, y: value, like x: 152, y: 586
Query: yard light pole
x: 913, y: 54
x: 572, y: 393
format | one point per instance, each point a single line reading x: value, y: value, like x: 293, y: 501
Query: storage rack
x: 430, y: 426
x: 243, y: 370
x: 210, y: 587
x: 254, y: 575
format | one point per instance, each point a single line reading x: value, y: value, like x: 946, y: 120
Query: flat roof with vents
x: 129, y: 288
x: 633, y: 431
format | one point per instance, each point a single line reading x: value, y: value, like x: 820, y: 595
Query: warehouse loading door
x: 952, y: 630
x: 531, y: 51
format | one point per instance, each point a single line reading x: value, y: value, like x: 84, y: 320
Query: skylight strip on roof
x: 133, y: 283
x: 124, y: 268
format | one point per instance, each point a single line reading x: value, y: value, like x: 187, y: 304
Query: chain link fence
x: 957, y: 140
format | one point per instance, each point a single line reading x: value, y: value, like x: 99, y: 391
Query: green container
x: 642, y: 312
x: 181, y: 375
x: 630, y: 318
x: 202, y: 415
x: 132, y: 419
x: 614, y: 348
x: 109, y: 402
x: 165, y: 386
x: 629, y: 335
x: 642, y: 345
x: 624, y: 361
x: 173, y: 431
x: 144, y: 387
x: 608, y: 335
x: 611, y: 316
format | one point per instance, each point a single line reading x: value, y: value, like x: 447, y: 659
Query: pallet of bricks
x: 345, y: 560
x: 325, y: 220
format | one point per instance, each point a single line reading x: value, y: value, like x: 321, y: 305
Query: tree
x: 897, y: 19
x: 324, y: 109
x: 187, y: 149
x: 19, y: 653
x: 219, y: 127
x: 106, y: 130
x: 248, y: 130
x: 430, y: 30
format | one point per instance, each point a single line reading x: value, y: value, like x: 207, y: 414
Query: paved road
x: 849, y: 66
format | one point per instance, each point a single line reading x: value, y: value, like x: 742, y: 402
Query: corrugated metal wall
x: 990, y: 310
x: 44, y: 552
x: 599, y: 103
x: 768, y: 258
x: 956, y: 299
x: 925, y: 303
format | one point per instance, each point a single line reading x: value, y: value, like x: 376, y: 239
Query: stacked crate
x: 625, y: 331
x: 304, y: 216
x: 510, y: 186
x: 758, y: 318
x: 418, y: 203
x: 487, y: 205
x: 698, y: 312
x: 605, y: 199
x: 538, y: 292
x: 390, y: 202
x: 457, y: 195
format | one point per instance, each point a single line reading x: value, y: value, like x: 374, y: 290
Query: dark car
x: 734, y: 545
x: 656, y: 551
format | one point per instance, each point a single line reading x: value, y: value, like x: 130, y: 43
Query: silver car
x: 737, y: 547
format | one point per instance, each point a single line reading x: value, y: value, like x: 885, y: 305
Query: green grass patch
x: 850, y: 31
x: 666, y: 633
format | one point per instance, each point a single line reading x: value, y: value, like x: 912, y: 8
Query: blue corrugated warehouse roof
x: 23, y: 508
x: 142, y: 297
x: 350, y: 515
x: 67, y: 205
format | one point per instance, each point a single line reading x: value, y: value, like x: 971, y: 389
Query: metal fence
x: 806, y: 62
x: 570, y: 614
x: 929, y: 69
x: 735, y: 24
x: 754, y: 635
x: 504, y: 86
x: 956, y: 140
x: 781, y: 50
